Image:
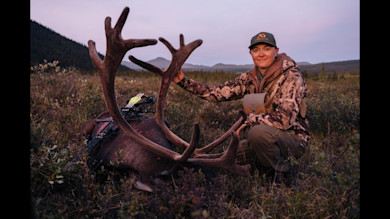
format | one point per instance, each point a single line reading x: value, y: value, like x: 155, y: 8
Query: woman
x: 277, y: 127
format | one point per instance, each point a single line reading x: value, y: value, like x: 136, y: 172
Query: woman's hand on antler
x: 179, y: 76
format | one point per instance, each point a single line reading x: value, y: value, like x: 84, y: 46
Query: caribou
x: 148, y: 148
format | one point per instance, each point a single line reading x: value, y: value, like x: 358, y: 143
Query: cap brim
x: 251, y: 46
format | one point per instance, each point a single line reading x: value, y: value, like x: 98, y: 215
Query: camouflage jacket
x: 286, y: 97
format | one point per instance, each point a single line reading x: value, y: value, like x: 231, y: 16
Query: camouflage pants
x: 270, y: 147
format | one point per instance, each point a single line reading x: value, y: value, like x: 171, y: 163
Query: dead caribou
x: 151, y: 152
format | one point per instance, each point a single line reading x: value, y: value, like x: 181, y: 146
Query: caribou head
x: 150, y: 154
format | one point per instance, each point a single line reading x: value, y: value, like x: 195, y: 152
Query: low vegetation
x: 325, y: 183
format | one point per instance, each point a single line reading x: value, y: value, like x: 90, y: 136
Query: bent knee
x: 262, y: 134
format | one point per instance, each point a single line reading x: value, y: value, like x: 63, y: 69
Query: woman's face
x: 263, y: 55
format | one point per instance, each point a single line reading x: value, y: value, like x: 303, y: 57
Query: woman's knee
x: 261, y: 134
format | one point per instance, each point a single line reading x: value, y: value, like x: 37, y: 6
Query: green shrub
x: 334, y: 105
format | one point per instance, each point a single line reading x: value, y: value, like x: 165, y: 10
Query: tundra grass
x: 325, y: 183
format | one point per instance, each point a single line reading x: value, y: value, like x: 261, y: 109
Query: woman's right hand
x: 178, y: 77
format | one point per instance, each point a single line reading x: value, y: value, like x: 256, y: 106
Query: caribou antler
x: 226, y: 159
x: 201, y: 152
x: 116, y: 49
x: 178, y: 58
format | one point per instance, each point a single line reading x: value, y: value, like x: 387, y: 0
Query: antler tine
x: 96, y: 60
x: 194, y: 142
x: 201, y: 152
x: 168, y: 45
x: 121, y: 20
x: 146, y: 65
x: 116, y: 46
x: 179, y: 56
x: 188, y: 50
x: 227, y: 160
x: 181, y: 40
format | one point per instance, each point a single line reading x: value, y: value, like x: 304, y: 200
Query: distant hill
x: 330, y: 67
x: 163, y: 63
x: 49, y: 45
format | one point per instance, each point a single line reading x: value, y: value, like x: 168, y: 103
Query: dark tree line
x: 49, y: 45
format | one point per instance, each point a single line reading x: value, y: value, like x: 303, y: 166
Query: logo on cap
x: 261, y: 35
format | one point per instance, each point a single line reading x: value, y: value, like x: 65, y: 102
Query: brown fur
x: 120, y: 149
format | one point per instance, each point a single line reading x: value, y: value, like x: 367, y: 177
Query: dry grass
x: 325, y: 183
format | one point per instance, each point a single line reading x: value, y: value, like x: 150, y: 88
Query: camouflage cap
x: 263, y: 37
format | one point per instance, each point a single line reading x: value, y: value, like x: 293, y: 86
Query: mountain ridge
x: 47, y: 44
x: 330, y: 67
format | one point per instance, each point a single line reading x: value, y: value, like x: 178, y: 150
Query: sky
x: 311, y: 31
